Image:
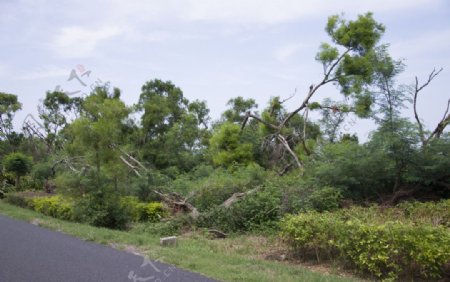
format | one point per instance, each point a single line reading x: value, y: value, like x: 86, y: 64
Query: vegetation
x: 233, y: 259
x: 409, y: 241
x: 100, y: 161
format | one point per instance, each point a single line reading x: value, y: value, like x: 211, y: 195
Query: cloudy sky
x: 212, y: 49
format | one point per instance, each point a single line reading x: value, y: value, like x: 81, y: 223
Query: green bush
x: 325, y: 199
x: 220, y: 185
x: 383, y: 248
x: 152, y: 212
x: 138, y: 211
x: 17, y: 199
x: 256, y: 211
x: 54, y: 206
x: 101, y: 209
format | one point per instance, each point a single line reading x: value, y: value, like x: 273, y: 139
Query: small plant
x: 54, y: 206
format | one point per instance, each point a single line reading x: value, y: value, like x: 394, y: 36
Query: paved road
x: 31, y: 253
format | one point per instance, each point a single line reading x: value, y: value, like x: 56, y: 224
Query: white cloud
x: 164, y: 36
x: 425, y: 44
x: 78, y: 42
x: 286, y: 52
x: 45, y: 72
x: 259, y: 11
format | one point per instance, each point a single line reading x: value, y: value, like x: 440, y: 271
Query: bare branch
x: 288, y: 148
x: 114, y: 146
x: 249, y: 114
x: 441, y: 125
x: 290, y: 97
x: 236, y: 196
x: 444, y: 121
x: 132, y: 167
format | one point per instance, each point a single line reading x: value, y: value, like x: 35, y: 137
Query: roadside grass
x: 239, y: 258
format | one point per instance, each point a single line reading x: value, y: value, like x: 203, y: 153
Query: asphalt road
x: 32, y: 253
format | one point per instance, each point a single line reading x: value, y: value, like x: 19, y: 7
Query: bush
x: 54, y: 206
x: 383, y: 248
x: 220, y: 185
x: 17, y: 199
x: 101, y: 209
x: 326, y: 199
x: 255, y: 211
x: 138, y: 211
x: 152, y: 212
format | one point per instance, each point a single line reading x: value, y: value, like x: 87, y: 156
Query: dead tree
x: 327, y: 78
x: 437, y: 132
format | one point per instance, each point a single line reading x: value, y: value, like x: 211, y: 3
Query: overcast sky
x: 212, y: 50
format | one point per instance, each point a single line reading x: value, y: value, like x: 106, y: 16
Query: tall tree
x: 348, y: 64
x: 173, y: 129
x: 9, y: 104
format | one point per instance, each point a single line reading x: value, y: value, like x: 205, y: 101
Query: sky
x: 213, y: 50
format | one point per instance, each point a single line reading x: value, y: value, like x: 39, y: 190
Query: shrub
x: 101, y: 209
x: 152, y: 212
x: 383, y: 248
x: 138, y: 211
x: 326, y: 199
x: 54, y: 206
x: 255, y: 211
x: 17, y: 199
x: 220, y: 185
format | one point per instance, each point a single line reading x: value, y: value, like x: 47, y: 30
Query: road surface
x: 35, y: 254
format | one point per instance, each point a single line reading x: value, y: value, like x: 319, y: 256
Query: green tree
x: 348, y: 63
x: 228, y: 148
x: 239, y: 106
x: 18, y: 164
x: 173, y: 129
x: 54, y: 111
x: 95, y: 136
x: 9, y: 104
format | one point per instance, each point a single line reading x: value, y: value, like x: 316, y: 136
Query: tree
x: 53, y: 112
x: 8, y: 106
x: 96, y: 136
x: 348, y: 64
x: 238, y: 107
x: 18, y: 164
x: 227, y: 147
x: 173, y: 129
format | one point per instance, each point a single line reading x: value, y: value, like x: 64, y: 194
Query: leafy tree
x: 18, y: 164
x: 9, y: 104
x: 227, y: 147
x: 96, y: 134
x: 53, y: 112
x: 239, y: 106
x: 348, y: 64
x: 173, y: 129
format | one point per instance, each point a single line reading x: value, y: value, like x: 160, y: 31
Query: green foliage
x: 152, y: 212
x: 220, y: 185
x: 256, y: 211
x: 139, y: 211
x: 18, y: 164
x: 360, y: 35
x: 325, y: 199
x: 9, y: 104
x: 18, y: 199
x: 171, y: 126
x: 227, y: 148
x: 385, y: 243
x: 101, y: 208
x: 54, y: 206
x: 238, y: 108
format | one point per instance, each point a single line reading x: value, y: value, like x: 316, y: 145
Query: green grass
x: 232, y: 259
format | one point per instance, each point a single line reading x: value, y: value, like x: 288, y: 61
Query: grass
x: 239, y: 258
